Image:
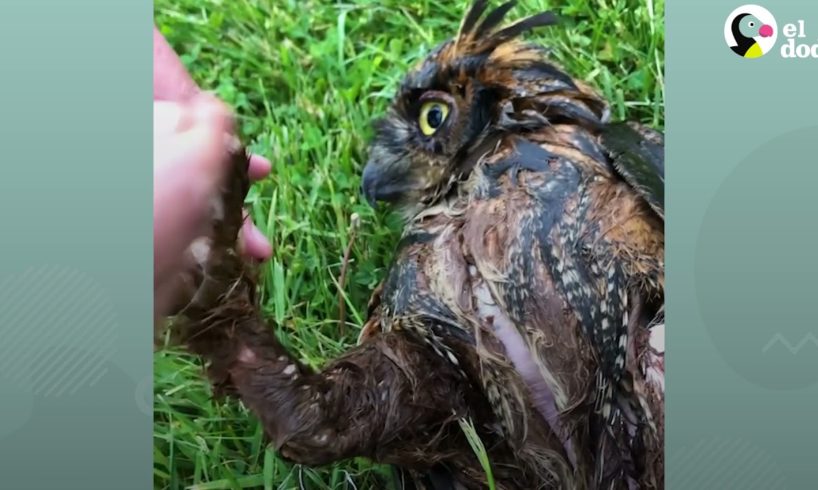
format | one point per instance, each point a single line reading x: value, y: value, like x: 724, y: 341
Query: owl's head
x: 477, y: 84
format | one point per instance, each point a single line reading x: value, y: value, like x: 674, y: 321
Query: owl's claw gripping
x: 382, y: 400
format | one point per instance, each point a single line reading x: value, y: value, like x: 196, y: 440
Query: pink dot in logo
x: 766, y: 31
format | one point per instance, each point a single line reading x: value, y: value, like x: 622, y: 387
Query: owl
x: 524, y: 300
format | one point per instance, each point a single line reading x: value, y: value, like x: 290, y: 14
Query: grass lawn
x: 306, y: 78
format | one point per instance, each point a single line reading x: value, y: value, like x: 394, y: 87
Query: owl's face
x: 481, y: 82
x: 437, y: 115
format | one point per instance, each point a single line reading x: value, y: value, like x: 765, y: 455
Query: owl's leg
x: 388, y: 399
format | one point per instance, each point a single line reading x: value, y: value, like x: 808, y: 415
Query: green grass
x: 306, y: 78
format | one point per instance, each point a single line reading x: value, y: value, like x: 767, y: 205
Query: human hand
x: 191, y: 136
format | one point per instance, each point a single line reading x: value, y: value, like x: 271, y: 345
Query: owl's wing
x: 638, y: 156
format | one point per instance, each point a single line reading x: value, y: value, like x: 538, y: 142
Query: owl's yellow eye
x: 432, y: 116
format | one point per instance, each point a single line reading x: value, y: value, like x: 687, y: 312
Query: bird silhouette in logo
x: 746, y: 30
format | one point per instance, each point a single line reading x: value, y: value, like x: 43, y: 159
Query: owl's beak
x: 369, y: 184
x: 382, y: 184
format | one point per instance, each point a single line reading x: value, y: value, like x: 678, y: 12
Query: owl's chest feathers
x: 498, y: 278
x: 524, y: 217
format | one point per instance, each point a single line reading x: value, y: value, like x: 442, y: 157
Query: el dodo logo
x: 751, y: 32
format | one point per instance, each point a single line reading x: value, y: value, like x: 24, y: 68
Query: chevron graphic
x: 794, y: 349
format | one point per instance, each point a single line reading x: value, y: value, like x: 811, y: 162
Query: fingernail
x: 260, y: 167
x: 253, y: 233
x: 257, y: 244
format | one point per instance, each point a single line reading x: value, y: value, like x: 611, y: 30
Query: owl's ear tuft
x: 493, y: 19
x: 540, y: 20
x: 472, y: 16
x: 474, y: 38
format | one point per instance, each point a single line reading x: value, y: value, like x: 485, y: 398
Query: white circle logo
x: 751, y: 31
